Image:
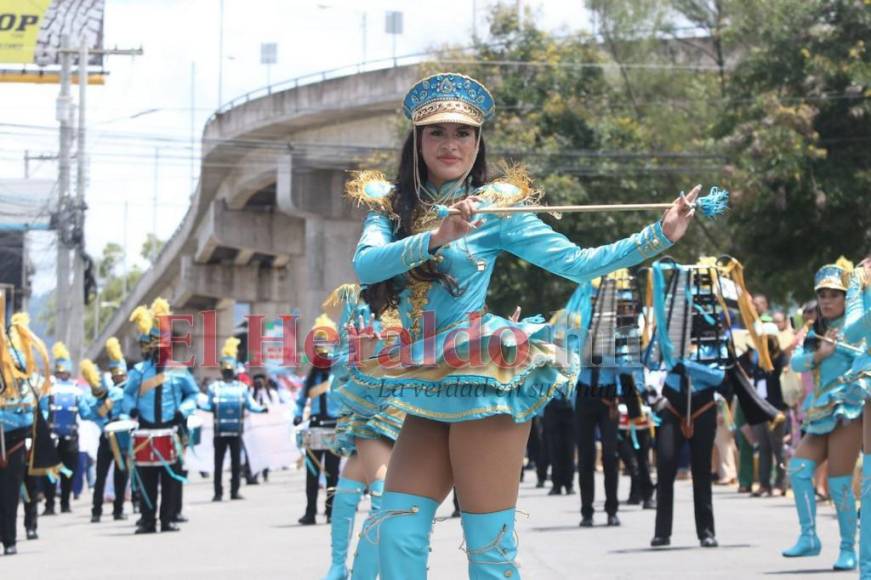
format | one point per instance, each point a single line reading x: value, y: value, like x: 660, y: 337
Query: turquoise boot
x: 841, y: 489
x: 801, y: 473
x: 491, y: 545
x: 366, y: 559
x: 865, y: 525
x: 402, y: 529
x: 345, y: 500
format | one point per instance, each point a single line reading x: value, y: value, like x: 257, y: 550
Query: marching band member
x: 323, y: 413
x: 365, y: 433
x: 107, y: 407
x: 415, y: 254
x: 228, y: 399
x: 689, y: 415
x: 20, y: 387
x: 65, y: 402
x: 832, y: 429
x: 857, y: 330
x: 159, y: 398
x: 16, y: 419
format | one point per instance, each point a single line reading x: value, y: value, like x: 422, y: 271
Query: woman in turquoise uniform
x: 468, y: 380
x: 857, y: 331
x: 365, y: 434
x: 833, y: 431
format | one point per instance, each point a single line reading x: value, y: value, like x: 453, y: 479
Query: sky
x: 141, y: 122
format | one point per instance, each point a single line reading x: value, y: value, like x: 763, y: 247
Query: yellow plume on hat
x: 231, y: 347
x: 59, y: 351
x: 113, y: 349
x: 847, y: 266
x: 143, y: 319
x: 160, y: 307
x: 90, y: 372
x: 324, y: 321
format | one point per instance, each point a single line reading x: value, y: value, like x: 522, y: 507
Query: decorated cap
x: 147, y: 320
x: 62, y: 362
x: 834, y: 276
x: 117, y: 364
x: 448, y: 98
x: 230, y: 353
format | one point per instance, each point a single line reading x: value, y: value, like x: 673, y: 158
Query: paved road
x: 259, y: 538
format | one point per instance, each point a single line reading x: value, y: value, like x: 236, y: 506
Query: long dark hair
x: 384, y: 295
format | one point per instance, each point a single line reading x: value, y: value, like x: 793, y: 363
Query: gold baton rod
x: 568, y: 208
x: 839, y: 343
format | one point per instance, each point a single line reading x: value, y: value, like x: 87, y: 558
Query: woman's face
x: 831, y: 303
x: 448, y: 150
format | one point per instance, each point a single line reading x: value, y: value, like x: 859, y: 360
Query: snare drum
x: 119, y: 434
x: 228, y: 417
x: 195, y: 430
x: 63, y: 409
x: 155, y: 447
x: 318, y: 438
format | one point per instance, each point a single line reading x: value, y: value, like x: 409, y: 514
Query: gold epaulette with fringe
x: 344, y: 294
x: 515, y: 187
x: 373, y: 190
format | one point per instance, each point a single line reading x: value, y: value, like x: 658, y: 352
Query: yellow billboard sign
x: 19, y: 29
x: 30, y: 30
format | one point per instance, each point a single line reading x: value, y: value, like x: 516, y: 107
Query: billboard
x: 30, y: 32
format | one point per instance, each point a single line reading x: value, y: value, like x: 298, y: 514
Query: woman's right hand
x: 825, y: 349
x: 455, y: 226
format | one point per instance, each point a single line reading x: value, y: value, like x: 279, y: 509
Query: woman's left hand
x: 677, y: 218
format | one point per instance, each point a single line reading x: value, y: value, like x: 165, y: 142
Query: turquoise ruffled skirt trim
x: 838, y: 403
x: 448, y: 392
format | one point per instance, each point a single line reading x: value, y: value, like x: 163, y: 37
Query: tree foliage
x: 767, y: 98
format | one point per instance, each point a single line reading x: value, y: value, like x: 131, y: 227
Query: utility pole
x: 76, y: 332
x: 71, y: 213
x: 64, y: 114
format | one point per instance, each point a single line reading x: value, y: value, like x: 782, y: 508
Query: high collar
x: 452, y: 189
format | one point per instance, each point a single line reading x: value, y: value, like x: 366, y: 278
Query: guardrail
x: 311, y: 78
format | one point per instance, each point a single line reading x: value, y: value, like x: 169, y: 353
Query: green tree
x: 151, y: 248
x: 590, y: 131
x: 797, y: 133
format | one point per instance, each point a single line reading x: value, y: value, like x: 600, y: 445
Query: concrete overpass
x: 268, y: 225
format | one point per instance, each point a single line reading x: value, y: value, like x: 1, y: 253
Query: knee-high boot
x: 366, y: 558
x: 345, y: 500
x: 841, y: 488
x: 865, y: 524
x: 801, y: 473
x: 491, y: 545
x: 402, y: 529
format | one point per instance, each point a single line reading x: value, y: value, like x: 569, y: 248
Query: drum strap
x: 688, y: 424
x: 319, y: 389
x: 151, y: 383
x: 105, y: 407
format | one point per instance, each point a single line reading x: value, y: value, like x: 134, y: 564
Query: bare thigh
x: 374, y: 454
x: 866, y: 428
x: 420, y: 463
x: 487, y: 456
x: 353, y: 469
x: 844, y: 444
x: 813, y: 447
